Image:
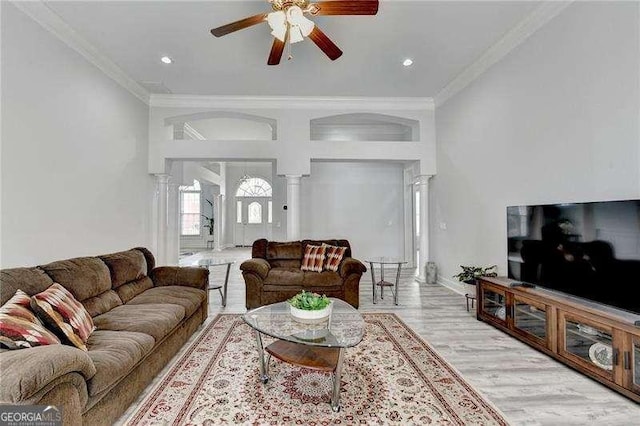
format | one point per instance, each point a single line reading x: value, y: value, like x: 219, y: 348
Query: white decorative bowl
x: 310, y: 316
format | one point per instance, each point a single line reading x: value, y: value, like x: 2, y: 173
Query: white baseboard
x: 456, y: 286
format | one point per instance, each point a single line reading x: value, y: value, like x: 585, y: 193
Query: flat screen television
x: 590, y: 250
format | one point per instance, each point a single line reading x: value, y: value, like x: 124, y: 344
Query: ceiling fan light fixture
x: 166, y: 60
x: 278, y: 23
x: 407, y: 62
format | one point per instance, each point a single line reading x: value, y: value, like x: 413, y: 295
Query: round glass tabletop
x: 386, y: 260
x: 344, y: 327
x: 215, y: 262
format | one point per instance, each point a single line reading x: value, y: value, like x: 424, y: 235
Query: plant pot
x: 302, y: 315
x: 470, y: 287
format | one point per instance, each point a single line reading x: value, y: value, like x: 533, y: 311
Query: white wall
x: 74, y: 152
x: 361, y: 202
x: 557, y: 120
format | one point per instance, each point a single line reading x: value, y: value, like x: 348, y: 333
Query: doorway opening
x: 254, y: 210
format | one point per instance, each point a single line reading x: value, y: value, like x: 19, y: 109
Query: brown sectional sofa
x: 273, y: 273
x: 143, y: 316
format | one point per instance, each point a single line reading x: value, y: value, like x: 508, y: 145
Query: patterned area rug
x: 391, y: 377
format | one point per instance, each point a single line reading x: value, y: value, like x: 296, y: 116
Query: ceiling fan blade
x: 325, y: 44
x: 276, y: 49
x: 347, y: 7
x: 239, y: 25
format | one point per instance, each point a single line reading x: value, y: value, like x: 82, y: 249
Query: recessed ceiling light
x: 166, y: 60
x: 407, y: 62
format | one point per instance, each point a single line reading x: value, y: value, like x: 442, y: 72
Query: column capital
x: 422, y: 179
x: 293, y: 179
x: 162, y: 177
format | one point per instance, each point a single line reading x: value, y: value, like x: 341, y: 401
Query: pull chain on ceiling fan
x: 289, y: 24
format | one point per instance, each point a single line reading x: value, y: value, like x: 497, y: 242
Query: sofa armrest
x: 350, y: 265
x: 257, y: 266
x: 182, y: 276
x: 26, y: 371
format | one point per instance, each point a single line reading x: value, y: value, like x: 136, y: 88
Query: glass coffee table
x: 317, y: 346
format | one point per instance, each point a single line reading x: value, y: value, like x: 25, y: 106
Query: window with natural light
x: 254, y: 212
x: 254, y: 187
x: 190, y: 209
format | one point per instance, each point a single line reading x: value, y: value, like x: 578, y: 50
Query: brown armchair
x: 273, y: 273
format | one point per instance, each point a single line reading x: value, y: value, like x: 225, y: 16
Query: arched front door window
x: 254, y: 187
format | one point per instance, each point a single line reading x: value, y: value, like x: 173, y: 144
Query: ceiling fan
x: 289, y: 24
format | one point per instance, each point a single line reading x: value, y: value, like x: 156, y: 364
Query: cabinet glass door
x: 635, y: 363
x: 593, y: 345
x: 529, y: 318
x: 494, y: 304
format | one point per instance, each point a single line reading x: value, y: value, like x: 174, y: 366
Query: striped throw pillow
x: 57, y: 307
x: 334, y: 256
x: 313, y: 259
x: 19, y: 327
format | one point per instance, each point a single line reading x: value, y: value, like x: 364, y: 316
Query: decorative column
x: 173, y: 228
x: 422, y: 182
x: 219, y: 232
x: 293, y: 207
x: 162, y: 184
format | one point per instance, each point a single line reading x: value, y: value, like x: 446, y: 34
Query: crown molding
x: 291, y: 102
x: 509, y: 41
x: 49, y: 20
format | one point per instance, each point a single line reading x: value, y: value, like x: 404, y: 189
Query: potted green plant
x: 470, y: 275
x: 307, y: 306
x: 210, y: 221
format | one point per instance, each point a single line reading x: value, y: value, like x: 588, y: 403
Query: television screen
x: 589, y: 250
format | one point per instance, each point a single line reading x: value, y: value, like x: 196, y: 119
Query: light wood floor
x: 527, y: 386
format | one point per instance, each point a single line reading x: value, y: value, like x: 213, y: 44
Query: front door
x: 251, y: 220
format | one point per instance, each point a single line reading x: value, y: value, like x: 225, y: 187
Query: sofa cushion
x: 338, y: 243
x: 189, y: 298
x: 155, y: 319
x: 19, y: 326
x: 125, y: 266
x: 313, y: 259
x: 19, y: 306
x: 114, y: 354
x: 133, y: 288
x: 102, y: 303
x: 284, y: 276
x: 321, y: 279
x: 284, y: 255
x: 334, y: 255
x: 57, y: 308
x: 29, y: 280
x: 84, y: 277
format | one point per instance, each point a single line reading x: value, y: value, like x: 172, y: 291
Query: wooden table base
x: 313, y: 357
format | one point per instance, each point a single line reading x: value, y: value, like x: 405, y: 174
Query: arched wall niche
x: 223, y: 125
x: 364, y: 127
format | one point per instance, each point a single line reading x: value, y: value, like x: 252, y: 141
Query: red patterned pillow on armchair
x: 57, y: 307
x: 19, y: 327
